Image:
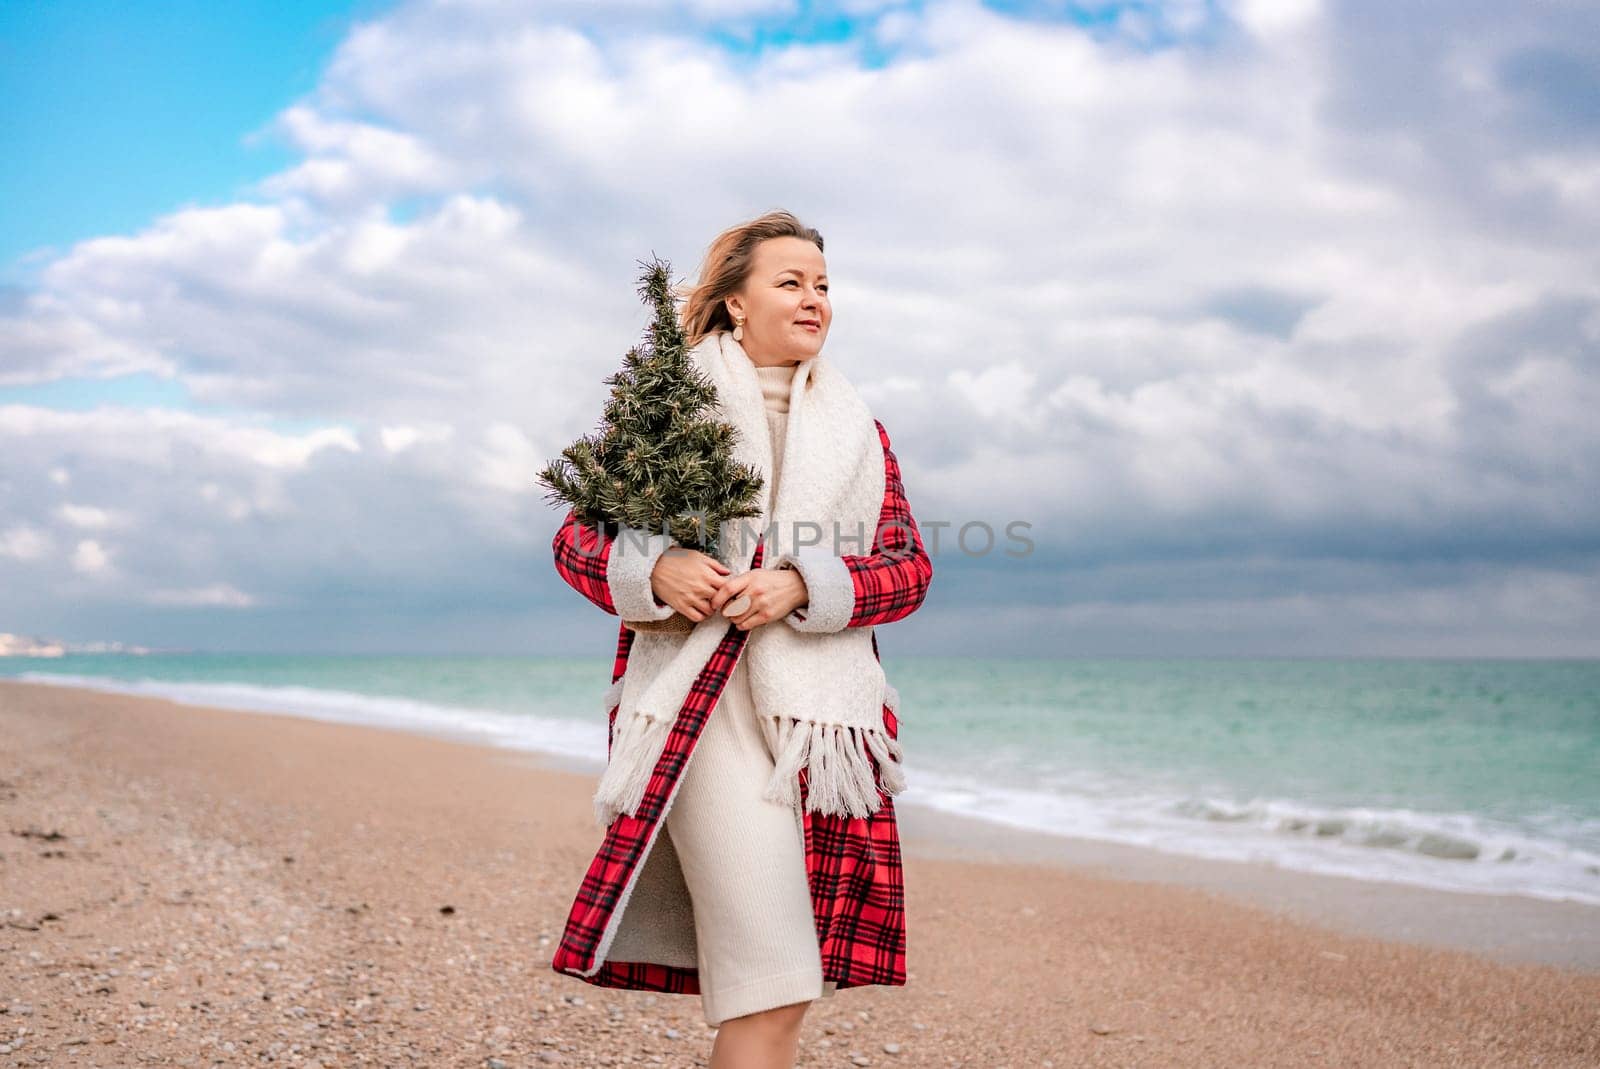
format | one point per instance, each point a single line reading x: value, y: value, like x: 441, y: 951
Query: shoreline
x: 1261, y: 880
x: 1512, y: 929
x: 217, y: 868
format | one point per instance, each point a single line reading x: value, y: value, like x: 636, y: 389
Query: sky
x: 1277, y: 321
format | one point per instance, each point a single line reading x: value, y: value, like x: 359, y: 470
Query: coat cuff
x: 634, y: 553
x: 831, y: 590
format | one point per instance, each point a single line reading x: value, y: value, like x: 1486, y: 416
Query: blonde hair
x: 727, y: 264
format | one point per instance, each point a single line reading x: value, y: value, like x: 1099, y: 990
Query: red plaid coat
x: 852, y: 863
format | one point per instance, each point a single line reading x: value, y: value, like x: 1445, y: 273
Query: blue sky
x: 116, y: 112
x: 1275, y: 318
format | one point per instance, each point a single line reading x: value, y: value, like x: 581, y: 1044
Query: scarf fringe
x: 636, y: 747
x: 839, y: 775
x: 612, y: 696
x: 838, y: 760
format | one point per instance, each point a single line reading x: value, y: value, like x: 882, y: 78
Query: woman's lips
x: 811, y: 326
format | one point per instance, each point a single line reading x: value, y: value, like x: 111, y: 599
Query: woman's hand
x: 774, y: 594
x: 687, y: 579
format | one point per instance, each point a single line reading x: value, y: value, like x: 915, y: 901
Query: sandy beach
x: 192, y: 886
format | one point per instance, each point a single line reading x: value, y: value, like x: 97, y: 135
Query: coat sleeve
x: 864, y: 590
x: 611, y: 570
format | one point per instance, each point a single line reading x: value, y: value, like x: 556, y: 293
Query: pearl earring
x: 738, y: 329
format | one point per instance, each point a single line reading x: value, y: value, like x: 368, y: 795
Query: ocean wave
x: 1444, y: 851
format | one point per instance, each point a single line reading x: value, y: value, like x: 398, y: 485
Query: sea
x: 1477, y: 776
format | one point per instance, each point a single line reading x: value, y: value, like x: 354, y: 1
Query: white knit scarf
x: 820, y: 695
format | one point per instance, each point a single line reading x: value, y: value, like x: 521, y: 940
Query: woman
x: 765, y: 872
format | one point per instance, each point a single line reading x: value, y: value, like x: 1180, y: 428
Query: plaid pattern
x: 852, y: 863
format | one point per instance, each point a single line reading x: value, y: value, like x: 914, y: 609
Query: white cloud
x: 87, y: 517
x: 1280, y: 292
x: 399, y: 438
x: 1273, y: 19
x: 999, y: 393
x: 48, y: 338
x: 90, y: 557
x: 353, y: 162
x: 165, y: 430
x: 24, y: 542
x: 216, y: 594
x: 507, y: 460
x: 1573, y: 177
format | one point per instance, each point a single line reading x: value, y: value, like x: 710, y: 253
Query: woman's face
x: 784, y: 302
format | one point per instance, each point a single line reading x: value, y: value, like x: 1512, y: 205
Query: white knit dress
x: 743, y: 857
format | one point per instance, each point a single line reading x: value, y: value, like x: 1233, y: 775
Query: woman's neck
x: 775, y: 383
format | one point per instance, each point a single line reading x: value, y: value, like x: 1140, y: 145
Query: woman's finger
x: 729, y: 590
x: 752, y: 615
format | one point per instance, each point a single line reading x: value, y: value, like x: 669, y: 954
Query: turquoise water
x: 1469, y: 775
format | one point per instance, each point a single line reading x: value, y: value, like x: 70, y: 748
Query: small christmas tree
x: 658, y: 460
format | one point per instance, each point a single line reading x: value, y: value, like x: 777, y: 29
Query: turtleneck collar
x: 775, y: 383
